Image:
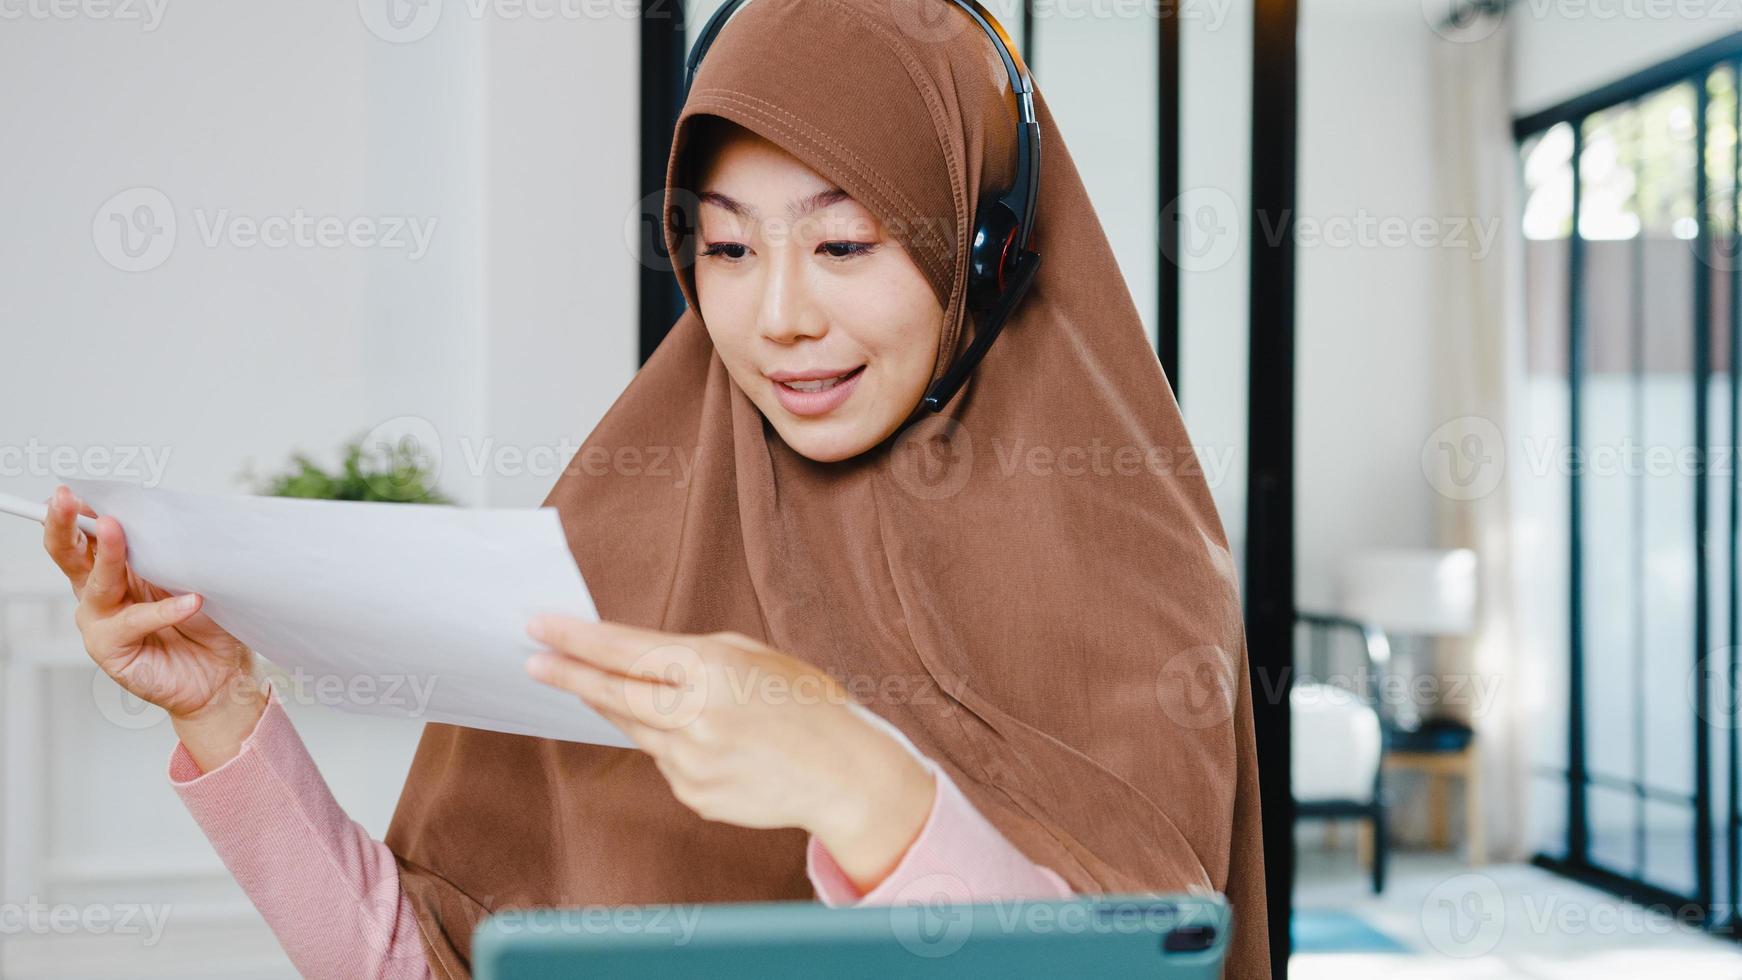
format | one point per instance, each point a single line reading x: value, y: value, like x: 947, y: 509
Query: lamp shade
x: 1421, y: 591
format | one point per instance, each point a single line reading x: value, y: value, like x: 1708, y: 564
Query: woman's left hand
x: 747, y: 735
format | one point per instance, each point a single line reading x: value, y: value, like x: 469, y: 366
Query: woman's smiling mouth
x: 814, y: 392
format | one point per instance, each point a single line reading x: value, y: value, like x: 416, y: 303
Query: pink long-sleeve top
x: 331, y: 894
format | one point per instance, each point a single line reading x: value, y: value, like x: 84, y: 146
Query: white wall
x: 501, y: 137
x: 1215, y: 260
x: 1363, y: 345
x: 560, y: 277
x: 517, y: 323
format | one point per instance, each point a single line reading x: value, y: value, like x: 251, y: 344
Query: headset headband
x: 1024, y: 188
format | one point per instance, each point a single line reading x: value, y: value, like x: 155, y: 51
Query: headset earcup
x: 992, y: 251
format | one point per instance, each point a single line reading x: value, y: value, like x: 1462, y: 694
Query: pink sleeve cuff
x: 327, y: 889
x: 958, y: 853
x: 272, y: 786
x: 195, y: 785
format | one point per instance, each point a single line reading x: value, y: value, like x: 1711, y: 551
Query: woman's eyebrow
x: 795, y: 209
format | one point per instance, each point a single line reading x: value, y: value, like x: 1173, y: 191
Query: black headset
x: 1000, y: 266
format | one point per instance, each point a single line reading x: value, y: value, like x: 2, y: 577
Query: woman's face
x: 820, y: 317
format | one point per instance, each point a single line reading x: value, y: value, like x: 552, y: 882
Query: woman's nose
x: 789, y: 312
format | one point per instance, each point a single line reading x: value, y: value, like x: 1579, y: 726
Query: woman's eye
x: 734, y: 252
x: 843, y: 250
x: 725, y: 250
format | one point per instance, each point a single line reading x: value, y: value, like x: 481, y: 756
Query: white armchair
x: 1337, y: 733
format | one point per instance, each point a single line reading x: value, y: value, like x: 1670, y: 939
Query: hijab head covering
x: 1033, y: 585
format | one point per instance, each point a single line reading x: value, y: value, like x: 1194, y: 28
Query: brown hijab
x: 1033, y: 585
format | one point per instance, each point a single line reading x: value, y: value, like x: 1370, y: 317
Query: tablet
x: 1167, y: 937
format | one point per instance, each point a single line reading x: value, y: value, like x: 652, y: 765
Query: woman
x: 868, y: 652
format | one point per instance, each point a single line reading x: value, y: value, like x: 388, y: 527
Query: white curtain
x: 1479, y: 331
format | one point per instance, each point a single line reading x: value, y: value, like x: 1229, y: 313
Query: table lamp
x: 1411, y: 592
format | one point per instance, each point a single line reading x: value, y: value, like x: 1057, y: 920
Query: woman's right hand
x: 159, y: 647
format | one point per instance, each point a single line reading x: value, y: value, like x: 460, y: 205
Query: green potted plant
x: 398, y: 472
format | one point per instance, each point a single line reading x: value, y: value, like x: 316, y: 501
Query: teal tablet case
x: 1177, y: 937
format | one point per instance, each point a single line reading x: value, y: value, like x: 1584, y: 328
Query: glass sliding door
x: 1630, y: 222
x: 1722, y: 164
x: 1637, y: 176
x: 1546, y: 500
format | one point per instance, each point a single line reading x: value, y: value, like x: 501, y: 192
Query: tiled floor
x: 1504, y: 920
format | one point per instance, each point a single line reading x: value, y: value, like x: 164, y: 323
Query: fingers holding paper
x: 106, y: 585
x: 159, y: 647
x: 70, y: 547
x: 743, y: 733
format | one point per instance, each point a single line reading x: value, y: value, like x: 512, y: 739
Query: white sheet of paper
x: 408, y: 610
